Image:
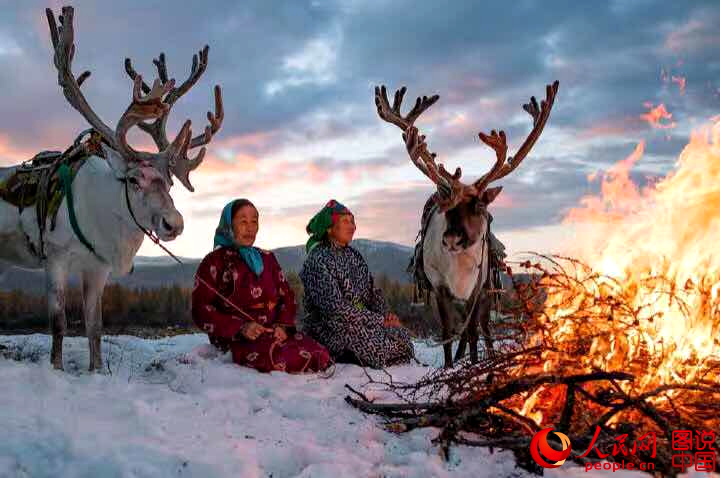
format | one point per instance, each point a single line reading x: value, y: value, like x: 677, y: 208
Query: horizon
x: 165, y: 256
x: 300, y: 123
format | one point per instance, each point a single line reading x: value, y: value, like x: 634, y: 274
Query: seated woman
x: 243, y: 302
x: 344, y: 312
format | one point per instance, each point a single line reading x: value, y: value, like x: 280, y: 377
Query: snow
x: 176, y: 407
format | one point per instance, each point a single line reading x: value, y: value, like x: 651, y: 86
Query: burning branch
x: 586, y: 355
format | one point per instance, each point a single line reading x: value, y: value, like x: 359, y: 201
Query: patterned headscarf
x: 322, y: 221
x: 225, y: 237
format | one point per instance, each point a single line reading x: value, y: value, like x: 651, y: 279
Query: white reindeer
x: 455, y: 247
x: 118, y: 199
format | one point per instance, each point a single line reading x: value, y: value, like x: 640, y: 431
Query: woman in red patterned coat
x: 243, y: 301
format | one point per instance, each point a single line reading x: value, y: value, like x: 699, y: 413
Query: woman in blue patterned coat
x: 344, y: 311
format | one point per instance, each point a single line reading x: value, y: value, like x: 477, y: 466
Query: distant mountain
x: 150, y: 272
x: 382, y: 257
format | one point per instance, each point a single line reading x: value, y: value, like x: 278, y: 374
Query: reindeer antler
x: 181, y: 166
x: 142, y: 108
x: 63, y: 41
x: 176, y: 159
x: 148, y: 109
x: 451, y: 190
x: 540, y: 117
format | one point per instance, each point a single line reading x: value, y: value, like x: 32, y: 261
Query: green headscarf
x: 225, y: 237
x: 322, y: 221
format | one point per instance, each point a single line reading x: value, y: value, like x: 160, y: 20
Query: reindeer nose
x: 172, y: 225
x: 451, y: 241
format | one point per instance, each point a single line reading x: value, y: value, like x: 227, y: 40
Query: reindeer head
x: 464, y: 205
x: 148, y: 176
x: 148, y: 192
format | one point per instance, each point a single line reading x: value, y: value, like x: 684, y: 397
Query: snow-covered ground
x: 176, y: 408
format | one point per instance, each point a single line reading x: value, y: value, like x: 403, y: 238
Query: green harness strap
x: 66, y: 179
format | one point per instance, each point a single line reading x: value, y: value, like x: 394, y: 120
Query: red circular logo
x: 539, y: 448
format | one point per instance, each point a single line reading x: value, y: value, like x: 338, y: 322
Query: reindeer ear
x: 490, y: 194
x: 116, y: 162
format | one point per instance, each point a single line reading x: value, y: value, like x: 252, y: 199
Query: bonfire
x: 614, y: 344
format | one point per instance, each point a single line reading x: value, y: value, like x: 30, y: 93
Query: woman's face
x: 343, y: 230
x: 245, y: 225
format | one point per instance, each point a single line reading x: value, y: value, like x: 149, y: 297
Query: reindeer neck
x: 104, y: 216
x: 457, y: 272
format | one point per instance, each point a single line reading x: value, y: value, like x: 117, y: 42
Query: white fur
x: 104, y: 219
x: 456, y: 271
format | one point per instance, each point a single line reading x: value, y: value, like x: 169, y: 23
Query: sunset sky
x: 300, y: 122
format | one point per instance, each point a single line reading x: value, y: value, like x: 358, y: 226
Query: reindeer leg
x: 472, y: 331
x: 460, y: 352
x: 445, y: 319
x: 93, y: 286
x: 56, y: 279
x: 482, y: 316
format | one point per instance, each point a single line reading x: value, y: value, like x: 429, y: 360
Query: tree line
x: 163, y: 310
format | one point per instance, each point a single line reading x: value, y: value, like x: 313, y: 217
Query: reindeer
x: 118, y: 198
x: 455, y: 233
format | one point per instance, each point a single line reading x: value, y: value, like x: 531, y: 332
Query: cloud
x: 313, y: 65
x: 300, y: 123
x: 694, y: 34
x: 11, y: 153
x: 9, y: 47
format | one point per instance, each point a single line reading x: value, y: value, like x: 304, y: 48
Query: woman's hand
x: 279, y: 334
x: 253, y: 330
x: 392, y: 320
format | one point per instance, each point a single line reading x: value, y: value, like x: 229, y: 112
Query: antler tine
x: 393, y: 115
x: 142, y: 108
x: 215, y: 120
x: 63, y: 43
x: 420, y: 106
x: 540, y: 117
x: 154, y: 129
x: 196, y: 71
x: 159, y: 63
x: 498, y: 142
x: 133, y: 74
x: 176, y: 160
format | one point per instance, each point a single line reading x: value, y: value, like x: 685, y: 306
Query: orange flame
x: 656, y: 115
x: 632, y: 235
x: 681, y: 82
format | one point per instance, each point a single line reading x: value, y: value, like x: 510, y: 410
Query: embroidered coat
x: 267, y: 300
x: 345, y: 312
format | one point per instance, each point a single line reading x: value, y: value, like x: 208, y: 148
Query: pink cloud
x: 239, y: 162
x: 11, y: 153
x: 256, y: 141
x: 317, y: 173
x: 610, y: 127
x: 692, y: 35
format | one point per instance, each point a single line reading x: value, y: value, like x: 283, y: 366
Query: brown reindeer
x: 455, y: 240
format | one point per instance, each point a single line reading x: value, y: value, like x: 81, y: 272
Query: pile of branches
x: 539, y: 378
